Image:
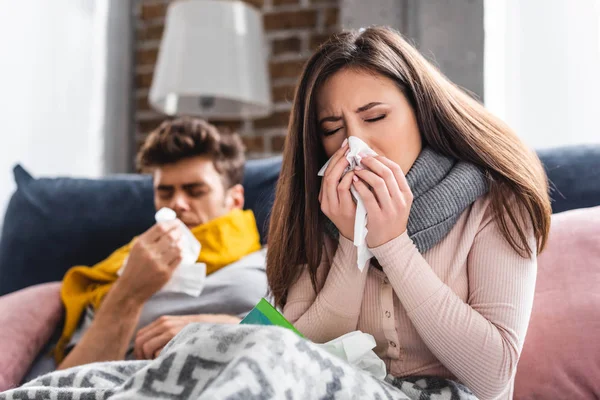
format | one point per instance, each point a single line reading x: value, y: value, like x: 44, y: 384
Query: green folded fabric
x: 265, y: 314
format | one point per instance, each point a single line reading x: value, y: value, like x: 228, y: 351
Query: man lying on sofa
x: 197, y: 172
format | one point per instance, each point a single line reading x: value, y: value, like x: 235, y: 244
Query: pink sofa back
x: 561, y: 356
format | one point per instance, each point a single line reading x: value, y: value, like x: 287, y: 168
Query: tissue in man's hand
x: 189, y: 276
x: 356, y: 147
x: 191, y: 245
x: 357, y: 349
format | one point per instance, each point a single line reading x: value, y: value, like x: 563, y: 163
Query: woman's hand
x: 335, y: 197
x: 388, y: 202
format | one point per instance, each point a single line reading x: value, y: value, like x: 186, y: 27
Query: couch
x: 52, y: 224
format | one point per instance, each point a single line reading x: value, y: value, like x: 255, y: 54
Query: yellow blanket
x: 224, y: 240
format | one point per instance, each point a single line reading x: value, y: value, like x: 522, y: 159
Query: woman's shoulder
x: 484, y: 212
x: 481, y: 212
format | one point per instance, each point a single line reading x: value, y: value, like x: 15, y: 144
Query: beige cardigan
x: 459, y: 311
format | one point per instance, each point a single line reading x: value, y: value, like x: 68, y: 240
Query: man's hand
x: 153, y: 257
x: 152, y: 260
x: 150, y: 340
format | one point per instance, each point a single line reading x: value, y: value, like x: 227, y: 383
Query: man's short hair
x: 186, y: 137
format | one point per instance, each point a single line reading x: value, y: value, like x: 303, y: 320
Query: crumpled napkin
x: 189, y: 276
x: 357, y: 349
x: 357, y: 146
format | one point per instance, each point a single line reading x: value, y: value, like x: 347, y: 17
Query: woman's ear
x: 234, y: 199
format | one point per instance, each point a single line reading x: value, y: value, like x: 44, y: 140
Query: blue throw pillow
x: 260, y: 180
x: 53, y: 224
x: 574, y: 175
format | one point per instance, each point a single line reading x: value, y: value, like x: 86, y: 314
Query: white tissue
x: 356, y: 147
x: 189, y: 276
x: 357, y: 349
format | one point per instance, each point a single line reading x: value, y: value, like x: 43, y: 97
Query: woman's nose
x: 355, y: 130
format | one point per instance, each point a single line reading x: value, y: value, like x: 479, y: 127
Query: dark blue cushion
x: 53, y: 224
x: 260, y: 179
x: 574, y: 175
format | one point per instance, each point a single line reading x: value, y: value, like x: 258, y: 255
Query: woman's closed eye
x: 375, y: 119
x: 331, y: 131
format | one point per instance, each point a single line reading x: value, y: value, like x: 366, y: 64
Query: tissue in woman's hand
x: 189, y: 276
x: 356, y: 147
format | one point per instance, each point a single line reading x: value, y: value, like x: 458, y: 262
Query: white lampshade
x: 212, y: 62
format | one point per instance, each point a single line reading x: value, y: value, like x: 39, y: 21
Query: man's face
x: 194, y: 189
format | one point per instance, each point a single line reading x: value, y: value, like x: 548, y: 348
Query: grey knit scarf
x: 442, y: 189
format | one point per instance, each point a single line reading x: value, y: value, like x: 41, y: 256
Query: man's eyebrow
x: 194, y: 185
x: 165, y: 187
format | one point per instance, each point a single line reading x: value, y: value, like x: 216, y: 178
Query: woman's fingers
x: 332, y: 177
x: 379, y: 186
x: 340, y: 153
x: 366, y: 195
x: 347, y: 205
x: 383, y: 170
x: 398, y: 175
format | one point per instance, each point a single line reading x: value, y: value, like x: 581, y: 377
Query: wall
x: 449, y: 33
x: 543, y: 69
x: 294, y: 28
x: 65, y: 96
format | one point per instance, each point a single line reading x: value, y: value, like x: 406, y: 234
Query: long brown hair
x: 450, y: 122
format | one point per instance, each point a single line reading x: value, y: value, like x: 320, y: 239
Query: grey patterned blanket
x: 233, y: 362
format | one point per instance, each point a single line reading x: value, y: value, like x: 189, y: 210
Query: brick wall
x: 294, y: 28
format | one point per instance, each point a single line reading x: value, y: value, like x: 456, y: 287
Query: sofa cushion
x: 53, y: 224
x: 28, y: 319
x: 259, y: 185
x: 574, y: 176
x: 561, y: 355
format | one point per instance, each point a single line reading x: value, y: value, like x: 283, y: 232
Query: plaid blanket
x: 233, y: 362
